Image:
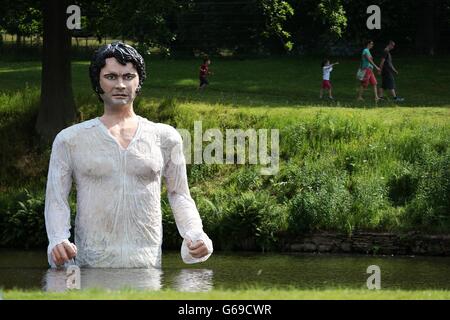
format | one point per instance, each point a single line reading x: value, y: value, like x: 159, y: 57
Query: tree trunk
x: 18, y: 40
x: 426, y: 28
x: 57, y: 109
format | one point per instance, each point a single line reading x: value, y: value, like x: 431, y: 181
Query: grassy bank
x: 245, y: 294
x: 344, y: 166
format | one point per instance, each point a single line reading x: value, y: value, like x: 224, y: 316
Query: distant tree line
x: 247, y: 26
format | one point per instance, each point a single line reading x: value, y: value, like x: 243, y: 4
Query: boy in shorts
x: 326, y: 71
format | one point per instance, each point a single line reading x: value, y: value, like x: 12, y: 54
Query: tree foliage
x: 22, y: 18
x: 247, y: 26
x: 238, y: 26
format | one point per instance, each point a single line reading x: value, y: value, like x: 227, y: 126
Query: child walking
x: 326, y: 71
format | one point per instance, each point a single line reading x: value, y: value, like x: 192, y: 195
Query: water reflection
x: 55, y: 280
x: 194, y: 280
x: 27, y: 270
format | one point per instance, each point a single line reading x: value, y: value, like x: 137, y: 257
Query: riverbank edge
x: 373, y: 243
x: 379, y: 243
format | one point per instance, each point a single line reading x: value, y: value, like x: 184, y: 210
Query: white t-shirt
x: 119, y: 219
x: 327, y: 71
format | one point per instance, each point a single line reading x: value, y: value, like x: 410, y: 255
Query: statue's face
x: 118, y: 82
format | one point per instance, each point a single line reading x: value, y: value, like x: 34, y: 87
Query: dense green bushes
x: 22, y: 220
x: 429, y: 206
x: 321, y: 200
x: 22, y: 223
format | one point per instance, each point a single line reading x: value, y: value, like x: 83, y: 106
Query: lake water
x: 29, y: 270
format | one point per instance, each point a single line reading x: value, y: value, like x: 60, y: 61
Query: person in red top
x: 204, y: 72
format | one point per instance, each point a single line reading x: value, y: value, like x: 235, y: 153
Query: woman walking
x: 367, y: 65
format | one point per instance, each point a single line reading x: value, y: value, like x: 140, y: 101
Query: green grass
x: 249, y: 294
x: 260, y: 82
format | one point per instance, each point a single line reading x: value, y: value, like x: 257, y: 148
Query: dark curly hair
x: 123, y: 53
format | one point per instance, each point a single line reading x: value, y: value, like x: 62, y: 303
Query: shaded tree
x: 57, y: 108
x: 145, y: 22
x: 21, y: 18
x: 417, y: 26
x: 240, y: 26
x: 317, y: 23
x: 428, y: 15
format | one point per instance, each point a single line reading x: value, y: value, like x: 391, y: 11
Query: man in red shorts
x: 367, y: 65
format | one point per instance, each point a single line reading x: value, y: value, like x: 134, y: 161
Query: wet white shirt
x: 118, y: 222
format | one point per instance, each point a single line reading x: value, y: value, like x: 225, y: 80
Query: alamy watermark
x: 374, y: 20
x: 73, y: 280
x: 374, y: 280
x: 74, y: 20
x: 239, y: 146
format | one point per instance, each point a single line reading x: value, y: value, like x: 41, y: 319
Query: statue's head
x: 124, y: 54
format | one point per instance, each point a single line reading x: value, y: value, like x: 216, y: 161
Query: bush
x: 209, y: 214
x: 430, y: 207
x: 201, y: 172
x: 245, y: 179
x: 22, y: 220
x: 322, y: 200
x: 251, y: 220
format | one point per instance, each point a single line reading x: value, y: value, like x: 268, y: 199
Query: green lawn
x: 250, y: 294
x: 259, y: 82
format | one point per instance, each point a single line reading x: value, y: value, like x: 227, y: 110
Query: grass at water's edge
x: 250, y: 294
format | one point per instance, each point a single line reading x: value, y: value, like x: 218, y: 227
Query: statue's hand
x: 197, y: 249
x: 63, y: 252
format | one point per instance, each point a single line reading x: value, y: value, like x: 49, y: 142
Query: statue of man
x: 117, y: 162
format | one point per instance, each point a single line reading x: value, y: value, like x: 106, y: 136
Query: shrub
x: 430, y: 207
x: 22, y: 219
x: 245, y: 179
x: 321, y: 199
x: 201, y: 172
x: 209, y: 214
x: 251, y: 220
